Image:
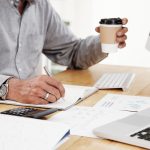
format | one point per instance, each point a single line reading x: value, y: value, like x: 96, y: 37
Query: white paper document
x: 19, y: 133
x: 123, y: 102
x: 82, y: 120
x: 72, y: 95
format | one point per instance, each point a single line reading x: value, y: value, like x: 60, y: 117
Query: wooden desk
x: 140, y: 86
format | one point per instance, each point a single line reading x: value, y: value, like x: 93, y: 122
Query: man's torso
x: 22, y: 38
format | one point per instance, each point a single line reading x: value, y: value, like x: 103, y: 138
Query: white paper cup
x: 108, y: 38
x: 108, y: 34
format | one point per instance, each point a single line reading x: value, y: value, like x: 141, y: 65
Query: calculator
x: 29, y: 112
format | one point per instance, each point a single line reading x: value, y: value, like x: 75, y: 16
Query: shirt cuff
x: 4, y: 78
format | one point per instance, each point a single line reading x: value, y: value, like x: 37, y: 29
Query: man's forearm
x: 87, y: 53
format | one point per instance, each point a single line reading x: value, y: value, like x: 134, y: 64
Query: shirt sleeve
x: 63, y: 47
x: 3, y: 78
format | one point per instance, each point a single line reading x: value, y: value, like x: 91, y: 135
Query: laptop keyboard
x: 115, y: 80
x: 144, y: 134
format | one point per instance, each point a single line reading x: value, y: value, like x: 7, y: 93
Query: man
x: 28, y: 28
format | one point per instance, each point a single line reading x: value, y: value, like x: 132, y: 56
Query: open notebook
x: 72, y: 95
x: 75, y: 94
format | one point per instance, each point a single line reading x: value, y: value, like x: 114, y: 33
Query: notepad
x: 73, y: 93
x: 19, y: 133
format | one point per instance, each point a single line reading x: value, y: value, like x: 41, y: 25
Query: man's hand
x: 121, y: 37
x: 33, y: 91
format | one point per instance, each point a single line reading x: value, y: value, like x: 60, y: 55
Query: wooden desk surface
x: 140, y: 86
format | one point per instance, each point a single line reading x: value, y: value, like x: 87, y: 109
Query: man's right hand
x: 33, y: 91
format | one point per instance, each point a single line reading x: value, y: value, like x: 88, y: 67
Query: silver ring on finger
x: 46, y: 96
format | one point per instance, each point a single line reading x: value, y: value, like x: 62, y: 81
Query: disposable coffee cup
x: 108, y: 33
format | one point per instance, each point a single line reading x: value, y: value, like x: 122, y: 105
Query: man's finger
x: 50, y: 89
x: 122, y: 45
x: 58, y: 85
x: 97, y: 29
x: 122, y: 31
x: 40, y: 93
x: 121, y: 39
x: 124, y: 21
x: 35, y: 100
x: 51, y: 98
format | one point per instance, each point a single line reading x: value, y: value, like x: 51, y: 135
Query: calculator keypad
x: 21, y: 111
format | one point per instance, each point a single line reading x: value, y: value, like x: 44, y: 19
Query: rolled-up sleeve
x: 63, y: 47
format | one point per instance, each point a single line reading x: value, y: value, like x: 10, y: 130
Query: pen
x: 49, y: 74
x: 47, y: 71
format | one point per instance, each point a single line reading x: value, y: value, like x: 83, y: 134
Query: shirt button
x: 20, y: 45
x: 12, y: 2
x: 20, y: 69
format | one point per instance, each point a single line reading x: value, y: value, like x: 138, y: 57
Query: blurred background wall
x: 84, y: 15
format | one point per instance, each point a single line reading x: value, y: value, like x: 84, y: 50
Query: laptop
x: 134, y: 129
